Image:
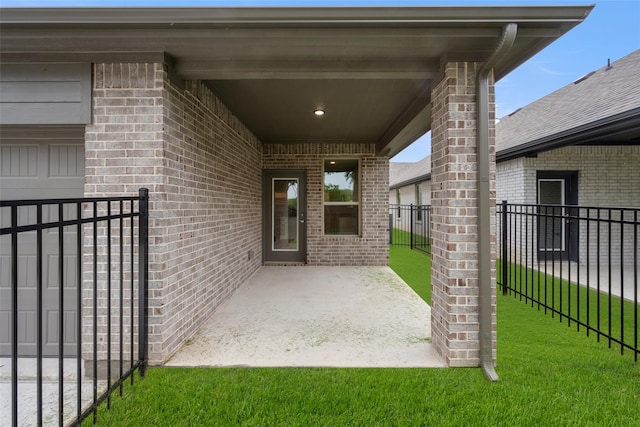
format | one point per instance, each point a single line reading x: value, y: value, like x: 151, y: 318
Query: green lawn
x: 414, y: 267
x: 550, y: 375
x: 589, y: 306
x: 403, y: 238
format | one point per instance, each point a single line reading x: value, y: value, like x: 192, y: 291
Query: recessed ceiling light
x: 318, y: 112
x: 332, y: 162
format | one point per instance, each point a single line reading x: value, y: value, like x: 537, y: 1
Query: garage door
x: 40, y: 163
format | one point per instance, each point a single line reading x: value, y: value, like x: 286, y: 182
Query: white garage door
x: 40, y: 164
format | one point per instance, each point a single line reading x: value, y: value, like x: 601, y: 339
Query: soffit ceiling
x: 371, y: 69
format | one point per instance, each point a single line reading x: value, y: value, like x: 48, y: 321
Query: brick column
x: 454, y: 221
x: 124, y: 148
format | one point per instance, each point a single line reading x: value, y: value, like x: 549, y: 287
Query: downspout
x: 484, y: 212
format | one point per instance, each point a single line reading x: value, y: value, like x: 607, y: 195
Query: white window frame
x: 562, y: 203
x: 353, y: 203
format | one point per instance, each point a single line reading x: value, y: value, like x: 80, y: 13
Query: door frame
x: 569, y: 249
x: 268, y: 255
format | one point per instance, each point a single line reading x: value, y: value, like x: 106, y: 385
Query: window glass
x: 285, y: 214
x: 551, y: 223
x: 341, y: 196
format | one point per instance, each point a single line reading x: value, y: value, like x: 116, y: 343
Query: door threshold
x: 284, y: 264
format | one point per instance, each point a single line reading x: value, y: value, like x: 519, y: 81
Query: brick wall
x: 123, y: 152
x: 606, y: 173
x: 512, y: 183
x: 203, y: 170
x: 212, y: 215
x: 372, y: 247
x: 516, y: 183
x: 605, y: 179
x: 454, y: 268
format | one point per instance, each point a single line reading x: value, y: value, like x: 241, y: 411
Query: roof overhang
x: 620, y: 129
x: 416, y: 180
x: 371, y: 69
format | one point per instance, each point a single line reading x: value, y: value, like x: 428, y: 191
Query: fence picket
x: 97, y: 215
x: 555, y: 262
x: 410, y: 226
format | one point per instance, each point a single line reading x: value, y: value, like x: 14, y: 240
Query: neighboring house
x: 579, y: 146
x: 219, y: 112
x: 410, y: 182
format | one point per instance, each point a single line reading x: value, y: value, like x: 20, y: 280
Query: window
x: 341, y: 196
x: 551, y: 225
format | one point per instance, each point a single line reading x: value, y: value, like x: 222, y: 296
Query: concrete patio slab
x: 316, y: 317
x: 28, y: 391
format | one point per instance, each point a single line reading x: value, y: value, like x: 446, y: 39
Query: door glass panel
x: 285, y: 214
x: 551, y: 192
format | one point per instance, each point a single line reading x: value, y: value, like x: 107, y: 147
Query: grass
x: 550, y: 375
x: 414, y: 268
x: 401, y: 237
x: 596, y: 309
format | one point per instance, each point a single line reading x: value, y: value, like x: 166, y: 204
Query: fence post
x: 428, y: 213
x: 411, y: 224
x: 503, y: 263
x: 143, y: 271
x: 391, y: 227
x: 14, y: 315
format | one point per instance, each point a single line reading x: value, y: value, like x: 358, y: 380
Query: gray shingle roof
x: 606, y: 92
x: 406, y: 173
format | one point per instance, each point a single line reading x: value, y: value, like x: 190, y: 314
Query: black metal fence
x: 578, y: 263
x: 73, y: 283
x: 410, y: 226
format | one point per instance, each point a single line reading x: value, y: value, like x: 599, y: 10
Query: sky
x: 611, y: 31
